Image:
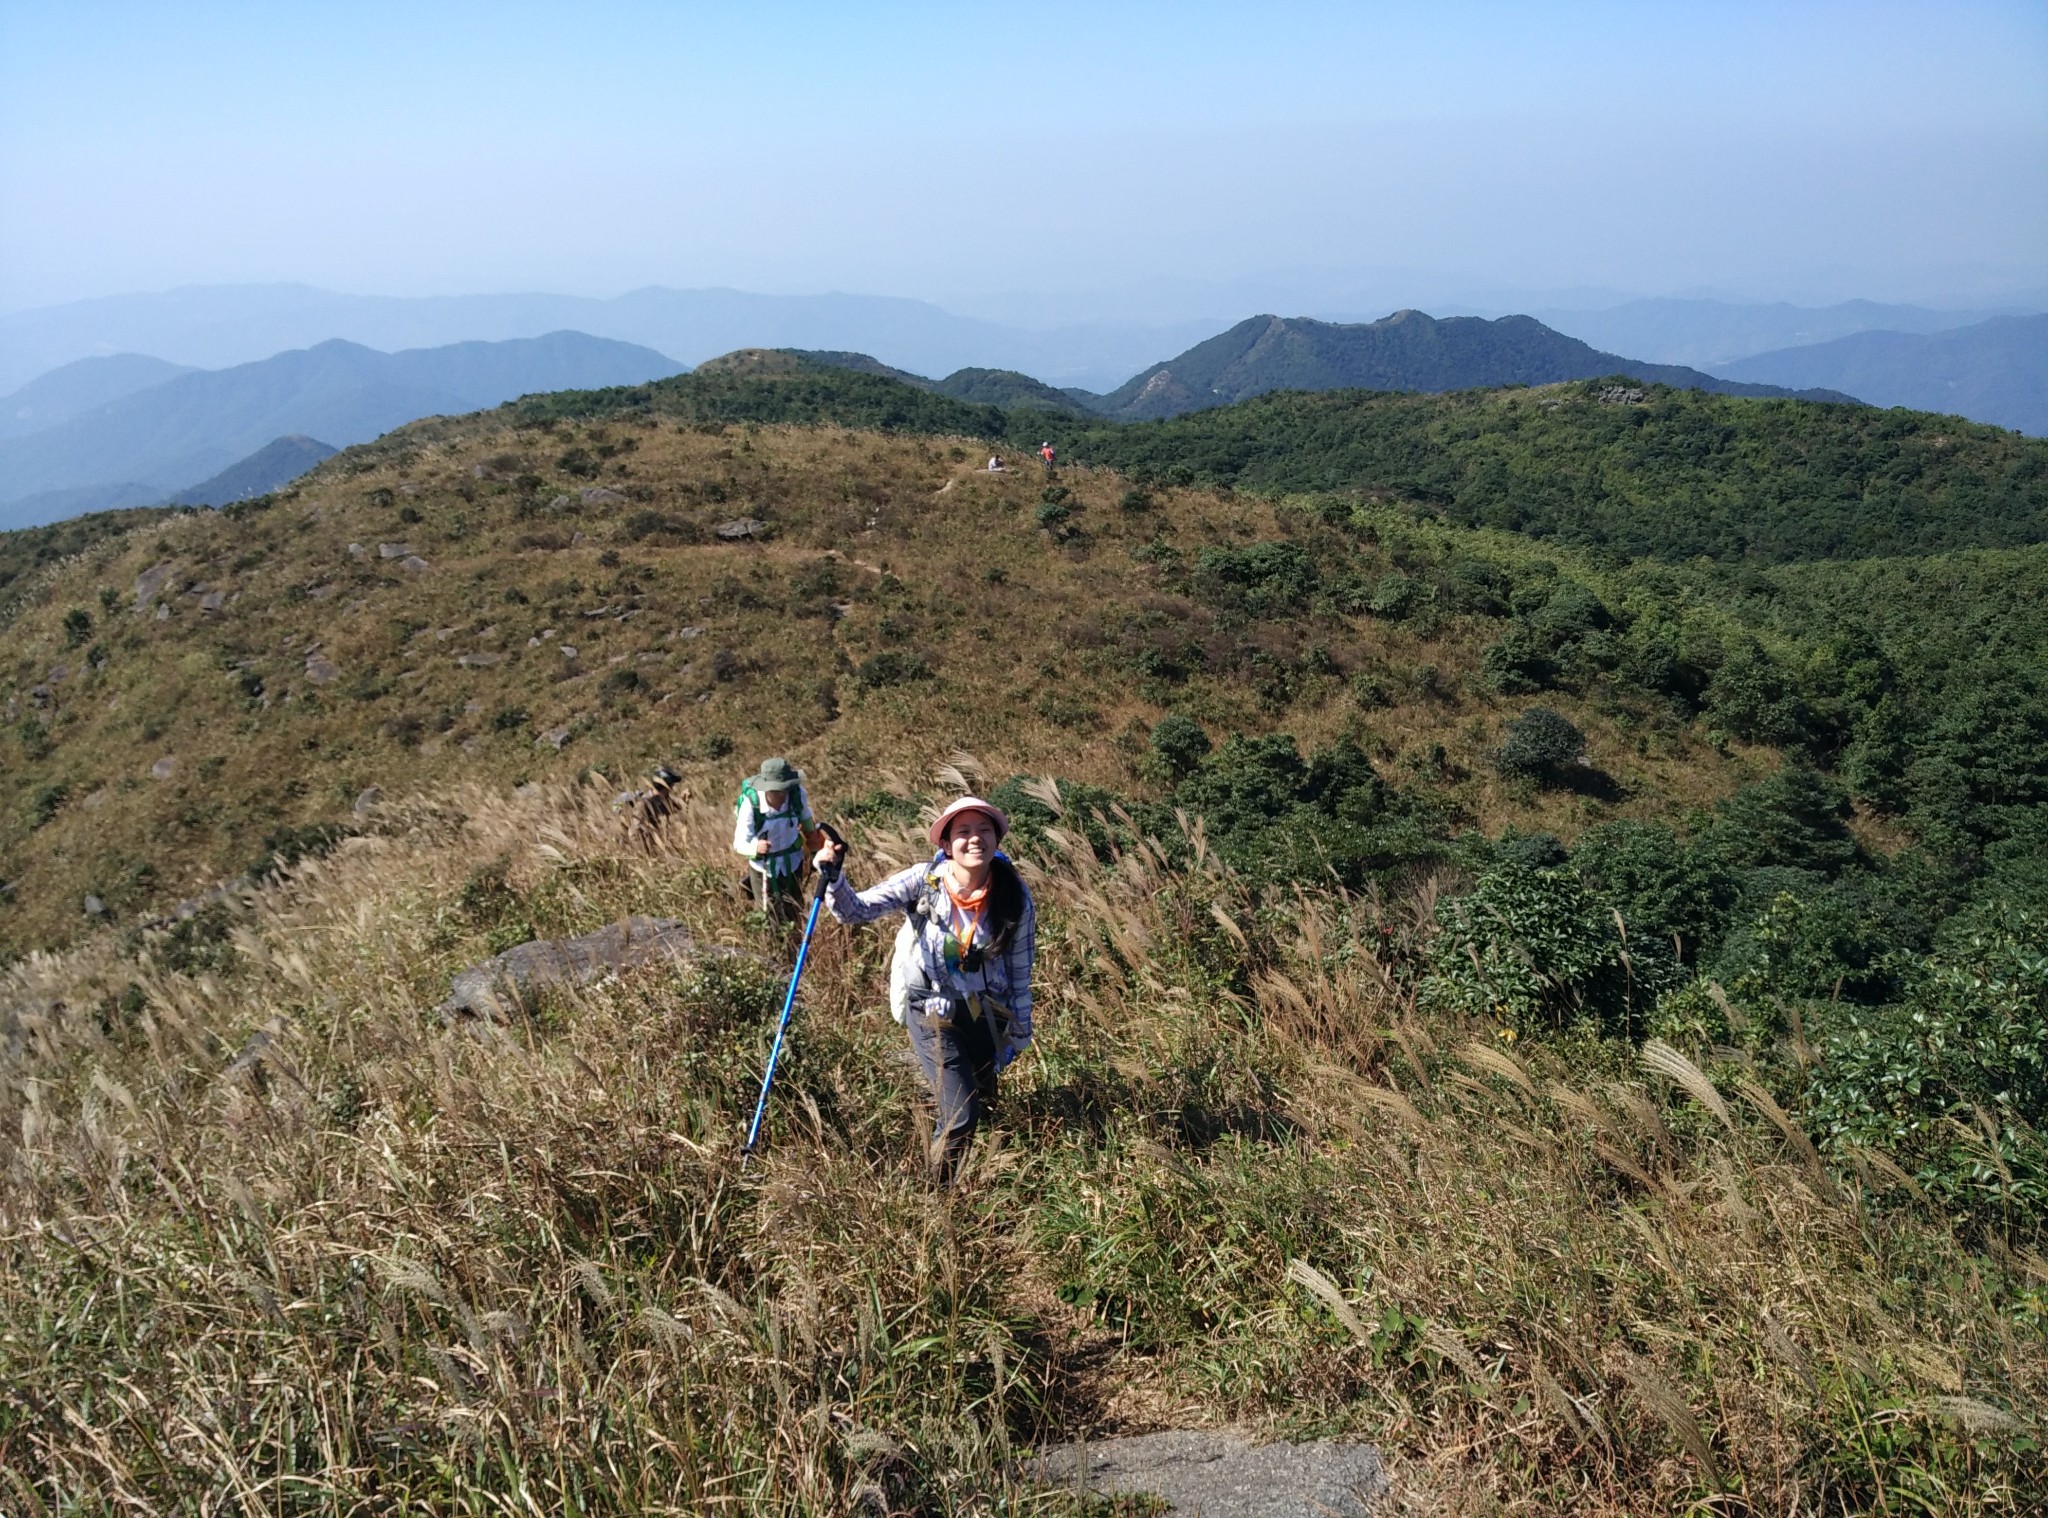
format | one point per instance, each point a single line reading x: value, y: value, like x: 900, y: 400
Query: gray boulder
x: 1210, y: 1473
x: 510, y: 983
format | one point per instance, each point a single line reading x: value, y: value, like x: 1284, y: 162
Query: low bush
x: 1540, y: 745
x: 892, y: 666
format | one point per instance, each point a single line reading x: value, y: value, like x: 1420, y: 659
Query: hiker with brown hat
x: 772, y: 830
x: 962, y: 964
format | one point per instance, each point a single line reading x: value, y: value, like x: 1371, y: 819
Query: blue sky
x: 1056, y: 159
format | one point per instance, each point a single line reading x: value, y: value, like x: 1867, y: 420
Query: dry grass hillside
x: 475, y: 601
x: 1342, y: 1119
x: 273, y: 1239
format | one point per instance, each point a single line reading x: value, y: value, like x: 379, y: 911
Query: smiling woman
x: 961, y: 980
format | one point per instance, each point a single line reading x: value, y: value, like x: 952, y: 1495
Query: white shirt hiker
x: 787, y: 830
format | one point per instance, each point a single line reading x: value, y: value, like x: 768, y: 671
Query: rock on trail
x: 509, y: 983
x: 1220, y: 1473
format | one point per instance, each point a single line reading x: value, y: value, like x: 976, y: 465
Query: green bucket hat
x: 776, y: 775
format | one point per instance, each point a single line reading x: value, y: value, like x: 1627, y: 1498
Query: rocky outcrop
x: 510, y: 983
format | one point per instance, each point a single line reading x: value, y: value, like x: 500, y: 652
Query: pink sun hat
x: 937, y: 834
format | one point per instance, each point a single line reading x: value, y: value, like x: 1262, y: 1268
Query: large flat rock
x: 1222, y: 1473
x: 512, y: 981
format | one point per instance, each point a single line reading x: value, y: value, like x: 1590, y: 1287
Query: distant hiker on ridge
x: 772, y: 829
x: 1045, y: 452
x: 995, y: 463
x: 961, y: 980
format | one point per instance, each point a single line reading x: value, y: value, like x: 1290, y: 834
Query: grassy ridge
x: 296, y: 1246
x: 1640, y: 471
x: 773, y: 394
x: 903, y: 601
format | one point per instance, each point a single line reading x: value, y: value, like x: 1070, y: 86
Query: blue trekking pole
x: 825, y: 875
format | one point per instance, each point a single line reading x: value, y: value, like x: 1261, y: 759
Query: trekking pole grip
x: 830, y: 872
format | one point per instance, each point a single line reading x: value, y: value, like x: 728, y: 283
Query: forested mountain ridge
x: 1409, y: 350
x: 1643, y: 471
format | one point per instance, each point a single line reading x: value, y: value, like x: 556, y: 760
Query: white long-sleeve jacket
x: 920, y: 967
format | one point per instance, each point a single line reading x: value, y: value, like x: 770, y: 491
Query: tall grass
x: 273, y: 1239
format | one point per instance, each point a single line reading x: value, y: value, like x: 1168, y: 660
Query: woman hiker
x: 961, y: 980
x: 772, y: 826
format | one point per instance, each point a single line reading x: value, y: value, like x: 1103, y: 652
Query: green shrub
x: 1179, y: 743
x: 1664, y: 888
x: 1530, y: 947
x: 1521, y: 947
x: 886, y: 809
x: 1753, y: 699
x: 1797, y: 818
x: 664, y: 526
x: 285, y: 846
x: 1540, y: 745
x: 77, y: 626
x: 46, y: 803
x: 1953, y: 1081
x: 1517, y: 664
x: 892, y: 666
x: 1394, y: 597
x: 1262, y: 580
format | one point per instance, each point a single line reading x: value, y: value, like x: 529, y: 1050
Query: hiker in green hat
x: 774, y: 831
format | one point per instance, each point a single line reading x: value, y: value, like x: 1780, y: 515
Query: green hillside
x: 1644, y: 472
x: 1567, y: 1010
x: 1634, y: 471
x: 1005, y: 388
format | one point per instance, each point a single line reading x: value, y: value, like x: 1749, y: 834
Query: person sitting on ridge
x: 961, y: 980
x: 772, y: 829
x: 995, y: 463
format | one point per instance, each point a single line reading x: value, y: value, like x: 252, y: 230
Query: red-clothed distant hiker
x: 1045, y: 452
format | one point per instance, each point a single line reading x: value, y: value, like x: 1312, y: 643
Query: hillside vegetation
x: 1580, y: 1021
x: 1633, y: 471
x: 575, y: 608
x: 1642, y: 472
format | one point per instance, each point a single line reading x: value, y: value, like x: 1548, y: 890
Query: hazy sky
x: 1007, y: 158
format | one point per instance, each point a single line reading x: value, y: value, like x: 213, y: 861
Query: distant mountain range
x: 214, y: 326
x: 274, y: 464
x: 1406, y: 351
x: 151, y: 443
x: 1710, y: 334
x: 131, y: 430
x: 81, y: 386
x: 1995, y: 371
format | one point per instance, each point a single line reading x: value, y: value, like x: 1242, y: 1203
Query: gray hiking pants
x: 958, y: 1057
